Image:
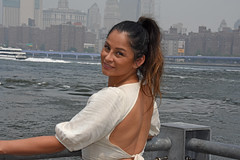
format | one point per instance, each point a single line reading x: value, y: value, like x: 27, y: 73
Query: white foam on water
x: 47, y: 60
x: 90, y: 63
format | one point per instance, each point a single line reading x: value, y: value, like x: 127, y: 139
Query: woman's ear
x: 139, y: 61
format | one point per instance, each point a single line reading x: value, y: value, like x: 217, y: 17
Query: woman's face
x: 117, y: 56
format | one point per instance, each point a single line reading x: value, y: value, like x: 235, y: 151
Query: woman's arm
x: 31, y: 146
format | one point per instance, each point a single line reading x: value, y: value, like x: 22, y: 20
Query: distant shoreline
x: 203, y: 64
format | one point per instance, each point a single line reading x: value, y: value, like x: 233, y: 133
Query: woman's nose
x: 109, y: 56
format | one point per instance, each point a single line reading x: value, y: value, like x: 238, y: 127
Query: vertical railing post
x: 179, y: 134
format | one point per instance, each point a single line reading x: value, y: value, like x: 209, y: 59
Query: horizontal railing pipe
x: 160, y: 144
x: 64, y: 153
x: 214, y: 148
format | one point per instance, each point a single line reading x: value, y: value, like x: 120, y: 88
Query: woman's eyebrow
x: 121, y: 49
x: 107, y: 42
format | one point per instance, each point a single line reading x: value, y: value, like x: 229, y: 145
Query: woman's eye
x: 119, y: 53
x: 107, y: 47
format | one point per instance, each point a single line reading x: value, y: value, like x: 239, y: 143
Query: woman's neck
x: 118, y: 81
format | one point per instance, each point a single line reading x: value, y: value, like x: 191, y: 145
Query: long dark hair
x: 145, y: 37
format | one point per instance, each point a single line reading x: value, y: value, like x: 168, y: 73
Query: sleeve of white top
x: 101, y: 114
x: 155, y: 122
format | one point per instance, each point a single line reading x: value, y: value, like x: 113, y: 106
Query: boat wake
x: 46, y: 60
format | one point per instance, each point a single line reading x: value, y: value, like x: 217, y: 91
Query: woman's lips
x: 107, y: 66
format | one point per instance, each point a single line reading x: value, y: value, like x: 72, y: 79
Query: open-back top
x: 91, y: 128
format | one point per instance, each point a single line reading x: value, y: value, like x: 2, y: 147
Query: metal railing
x: 214, y: 148
x: 64, y: 153
x: 177, y: 141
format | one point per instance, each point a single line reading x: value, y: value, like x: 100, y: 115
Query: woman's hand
x: 31, y: 146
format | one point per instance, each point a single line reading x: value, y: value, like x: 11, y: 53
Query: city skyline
x: 191, y: 13
x: 75, y: 29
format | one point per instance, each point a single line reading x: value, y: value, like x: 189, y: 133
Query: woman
x: 117, y: 120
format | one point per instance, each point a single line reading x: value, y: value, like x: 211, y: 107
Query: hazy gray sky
x: 192, y: 13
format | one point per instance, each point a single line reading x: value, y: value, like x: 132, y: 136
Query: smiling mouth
x: 107, y: 66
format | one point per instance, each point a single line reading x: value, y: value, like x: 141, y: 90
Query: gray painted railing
x: 64, y: 153
x: 177, y: 141
x: 214, y: 148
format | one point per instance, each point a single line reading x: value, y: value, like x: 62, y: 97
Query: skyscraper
x: 147, y: 8
x: 1, y: 12
x: 94, y: 18
x: 237, y: 24
x: 129, y: 10
x: 63, y: 4
x: 151, y: 8
x: 111, y: 14
x: 222, y: 25
x: 21, y: 12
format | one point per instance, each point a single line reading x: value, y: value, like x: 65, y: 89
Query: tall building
x: 180, y: 28
x: 21, y: 12
x: 157, y: 11
x: 132, y: 10
x: 148, y: 8
x: 1, y: 12
x: 94, y: 18
x: 237, y: 24
x: 63, y: 4
x: 111, y: 14
x: 223, y: 25
x: 129, y: 10
x: 63, y: 15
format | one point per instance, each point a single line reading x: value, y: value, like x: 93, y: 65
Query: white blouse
x: 91, y: 128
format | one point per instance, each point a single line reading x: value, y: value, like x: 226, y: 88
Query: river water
x: 38, y: 93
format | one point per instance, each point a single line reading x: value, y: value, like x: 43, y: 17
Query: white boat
x: 12, y: 53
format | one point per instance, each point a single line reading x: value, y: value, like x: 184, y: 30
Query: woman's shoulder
x: 110, y: 91
x: 108, y: 94
x: 118, y: 91
x: 120, y: 94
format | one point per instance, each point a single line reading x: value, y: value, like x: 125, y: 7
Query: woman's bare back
x: 131, y: 134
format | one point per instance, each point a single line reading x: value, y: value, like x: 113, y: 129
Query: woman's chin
x: 106, y: 73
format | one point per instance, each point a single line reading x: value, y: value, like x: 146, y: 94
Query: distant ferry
x: 12, y: 53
